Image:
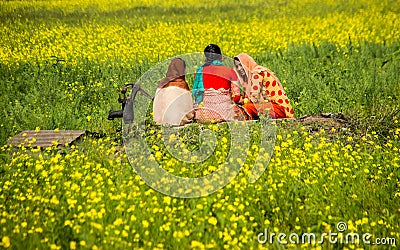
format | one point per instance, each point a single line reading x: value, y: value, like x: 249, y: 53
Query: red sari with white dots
x: 263, y: 90
x: 265, y: 87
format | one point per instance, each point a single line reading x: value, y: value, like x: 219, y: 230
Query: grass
x: 63, y: 67
x: 57, y: 95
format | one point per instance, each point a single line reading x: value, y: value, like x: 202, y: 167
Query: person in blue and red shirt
x: 216, y: 89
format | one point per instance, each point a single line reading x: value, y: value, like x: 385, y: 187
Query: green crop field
x: 63, y: 63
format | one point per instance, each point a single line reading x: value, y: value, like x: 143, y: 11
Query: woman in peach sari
x: 264, y: 92
x: 173, y: 103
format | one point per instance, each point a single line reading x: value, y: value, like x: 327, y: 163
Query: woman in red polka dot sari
x: 264, y: 92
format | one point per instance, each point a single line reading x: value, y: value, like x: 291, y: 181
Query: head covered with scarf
x: 176, y: 72
x: 173, y: 103
x: 249, y: 66
x: 251, y: 76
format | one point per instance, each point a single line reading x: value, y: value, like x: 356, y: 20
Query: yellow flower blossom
x: 5, y: 242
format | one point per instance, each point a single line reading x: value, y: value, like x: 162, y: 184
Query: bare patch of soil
x: 330, y: 122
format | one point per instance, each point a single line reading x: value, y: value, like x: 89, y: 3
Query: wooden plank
x: 45, y: 138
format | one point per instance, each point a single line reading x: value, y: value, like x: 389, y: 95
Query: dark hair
x: 212, y: 52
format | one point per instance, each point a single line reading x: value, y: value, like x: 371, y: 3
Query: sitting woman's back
x: 214, y: 88
x: 173, y: 103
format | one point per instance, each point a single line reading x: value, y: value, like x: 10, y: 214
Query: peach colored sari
x: 173, y: 103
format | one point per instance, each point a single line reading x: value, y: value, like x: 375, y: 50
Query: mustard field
x: 63, y: 63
